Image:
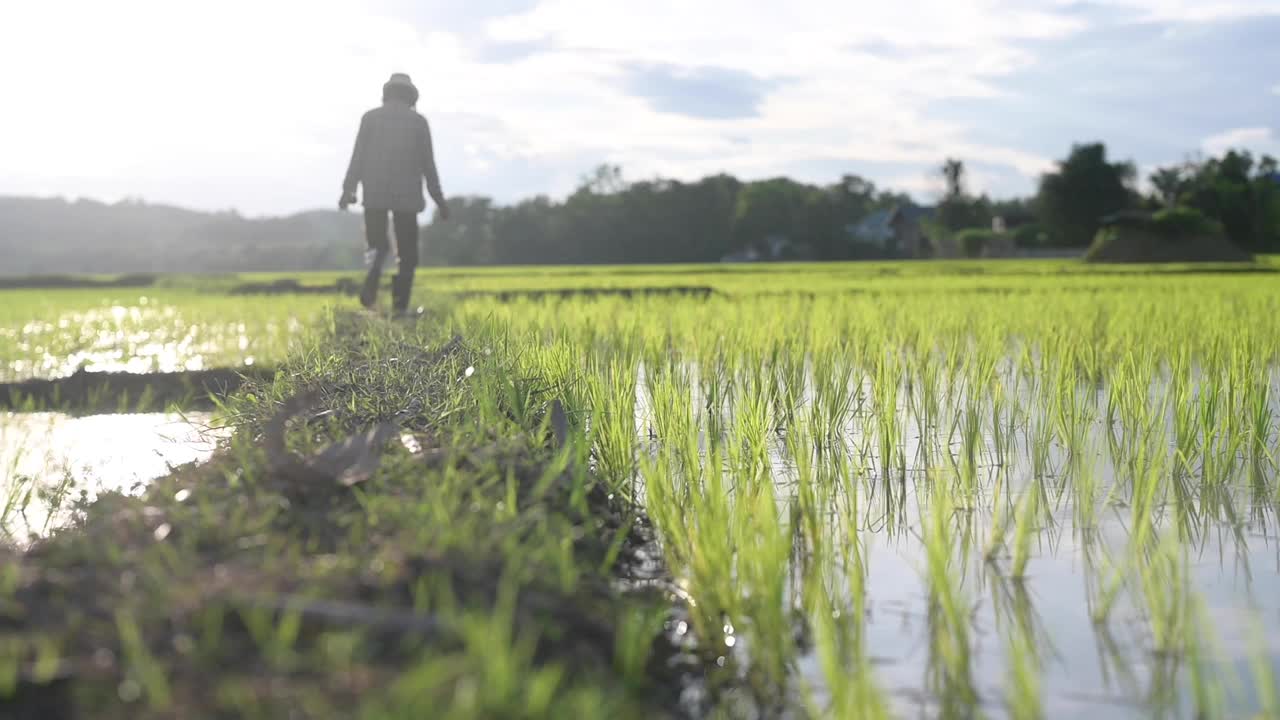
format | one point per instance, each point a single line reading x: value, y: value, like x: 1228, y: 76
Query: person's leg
x: 375, y: 232
x: 407, y: 248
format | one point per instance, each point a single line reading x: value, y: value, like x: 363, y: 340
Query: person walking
x: 391, y: 158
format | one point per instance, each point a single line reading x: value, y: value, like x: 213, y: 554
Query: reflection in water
x: 1033, y: 549
x: 48, y: 460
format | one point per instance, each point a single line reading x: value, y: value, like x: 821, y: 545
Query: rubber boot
x: 401, y: 287
x: 369, y: 291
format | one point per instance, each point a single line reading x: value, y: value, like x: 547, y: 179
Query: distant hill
x: 53, y: 235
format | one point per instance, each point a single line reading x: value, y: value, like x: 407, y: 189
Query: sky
x: 252, y: 105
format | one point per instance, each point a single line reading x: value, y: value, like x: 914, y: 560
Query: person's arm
x: 429, y: 171
x: 352, y: 179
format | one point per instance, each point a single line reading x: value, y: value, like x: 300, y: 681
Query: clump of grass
x: 611, y: 392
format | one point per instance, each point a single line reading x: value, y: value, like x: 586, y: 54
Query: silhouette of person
x: 392, y: 156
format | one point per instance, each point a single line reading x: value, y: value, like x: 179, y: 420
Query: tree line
x: 54, y: 235
x: 608, y: 219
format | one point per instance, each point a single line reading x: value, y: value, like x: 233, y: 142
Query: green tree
x: 958, y: 210
x: 953, y: 175
x: 467, y: 238
x: 1169, y: 183
x: 1073, y: 199
x: 768, y: 207
x: 1236, y: 190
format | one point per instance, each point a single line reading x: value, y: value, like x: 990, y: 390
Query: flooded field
x: 1043, y: 504
x: 48, y: 461
x: 882, y: 495
x: 45, y: 334
x: 1037, y: 546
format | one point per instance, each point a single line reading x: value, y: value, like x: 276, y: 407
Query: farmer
x: 391, y: 158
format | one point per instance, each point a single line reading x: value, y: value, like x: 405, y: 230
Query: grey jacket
x: 392, y: 155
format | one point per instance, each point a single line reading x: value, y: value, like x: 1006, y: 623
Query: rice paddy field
x: 1033, y: 496
x: 54, y: 333
x: 1012, y: 489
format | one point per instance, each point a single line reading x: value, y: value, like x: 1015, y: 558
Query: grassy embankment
x: 472, y: 575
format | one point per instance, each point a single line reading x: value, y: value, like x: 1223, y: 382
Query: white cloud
x: 834, y: 101
x: 1201, y: 11
x: 1256, y: 139
x: 253, y: 103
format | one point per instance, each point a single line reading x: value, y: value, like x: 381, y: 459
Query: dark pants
x: 375, y: 229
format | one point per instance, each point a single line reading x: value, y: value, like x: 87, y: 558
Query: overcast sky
x: 253, y: 104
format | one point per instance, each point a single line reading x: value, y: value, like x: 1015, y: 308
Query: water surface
x: 49, y: 460
x: 1091, y: 664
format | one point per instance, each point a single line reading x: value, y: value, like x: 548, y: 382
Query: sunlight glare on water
x: 47, y: 460
x: 144, y: 337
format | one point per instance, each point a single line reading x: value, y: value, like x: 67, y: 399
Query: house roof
x: 911, y: 211
x: 876, y: 223
x: 880, y: 222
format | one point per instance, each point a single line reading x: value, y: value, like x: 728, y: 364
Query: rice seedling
x: 1024, y: 530
x: 611, y: 393
x: 886, y: 381
x: 634, y: 644
x: 835, y: 399
x: 1023, y: 691
x: 840, y: 644
x: 950, y: 674
x: 1262, y: 669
